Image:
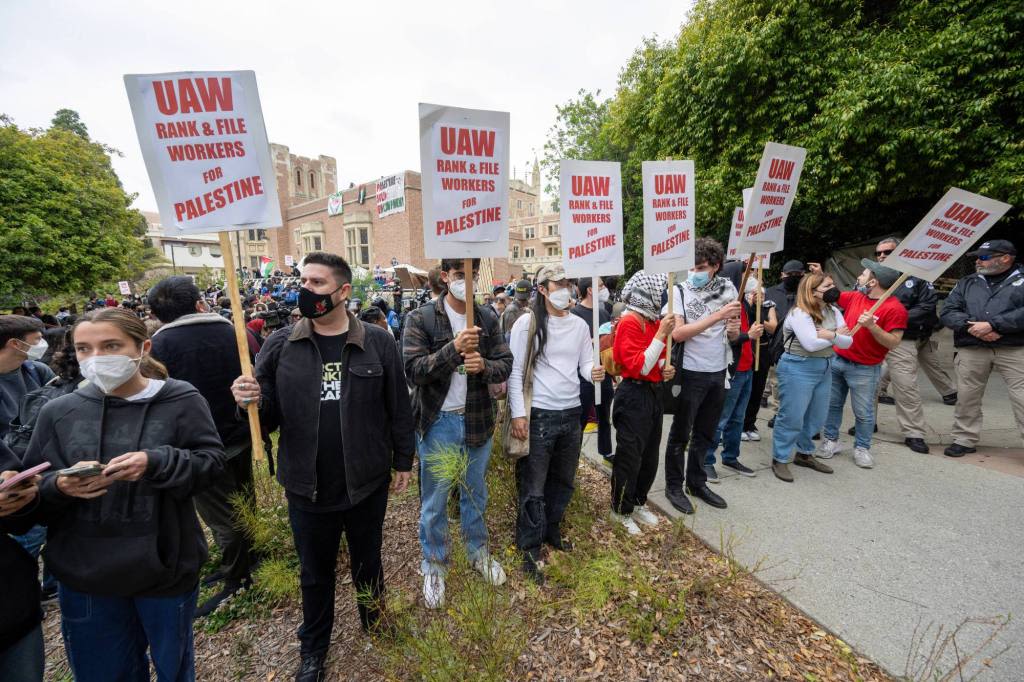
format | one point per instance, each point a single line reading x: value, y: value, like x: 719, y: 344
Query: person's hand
x: 755, y: 331
x: 991, y: 336
x: 814, y: 268
x: 127, y: 467
x: 400, y: 483
x: 473, y: 362
x: 245, y: 390
x: 84, y: 487
x: 729, y: 311
x: 15, y: 499
x: 668, y: 373
x: 597, y: 375
x: 468, y: 340
x: 826, y: 334
x: 867, y: 320
x: 732, y: 327
x: 520, y: 429
x: 668, y: 323
x: 979, y: 329
x: 843, y: 331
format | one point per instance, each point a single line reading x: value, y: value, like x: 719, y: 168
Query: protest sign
x: 206, y: 150
x: 289, y: 261
x: 464, y: 163
x: 336, y: 203
x: 590, y: 219
x: 766, y: 211
x: 125, y: 287
x: 732, y: 252
x: 950, y: 230
x: 390, y: 195
x: 669, y: 215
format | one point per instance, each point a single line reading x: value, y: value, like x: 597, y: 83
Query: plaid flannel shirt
x: 429, y: 368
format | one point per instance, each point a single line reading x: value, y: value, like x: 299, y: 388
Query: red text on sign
x: 188, y: 95
x: 218, y: 198
x: 467, y: 141
x: 590, y: 185
x: 669, y: 184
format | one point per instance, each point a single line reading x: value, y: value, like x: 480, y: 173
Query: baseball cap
x: 994, y: 246
x: 551, y: 273
x: 523, y: 288
x: 885, y: 276
x: 793, y: 266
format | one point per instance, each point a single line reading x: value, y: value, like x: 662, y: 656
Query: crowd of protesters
x: 134, y: 412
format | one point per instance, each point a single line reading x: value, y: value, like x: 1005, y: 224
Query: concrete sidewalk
x: 874, y: 554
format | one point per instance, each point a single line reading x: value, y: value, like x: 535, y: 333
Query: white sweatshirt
x: 802, y: 325
x: 568, y: 350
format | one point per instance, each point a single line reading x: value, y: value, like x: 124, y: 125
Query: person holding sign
x: 451, y: 364
x: 986, y: 313
x: 562, y: 353
x: 591, y: 295
x: 856, y: 369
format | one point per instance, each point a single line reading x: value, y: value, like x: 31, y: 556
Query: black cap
x: 793, y: 266
x: 498, y: 290
x: 523, y: 288
x: 886, y: 276
x: 994, y: 247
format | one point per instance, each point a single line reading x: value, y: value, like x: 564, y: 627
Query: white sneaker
x: 754, y: 436
x: 627, y: 522
x: 490, y: 569
x: 829, y: 449
x: 862, y: 458
x: 433, y: 591
x: 745, y: 436
x: 645, y: 516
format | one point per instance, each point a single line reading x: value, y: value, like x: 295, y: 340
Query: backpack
x: 20, y: 433
x: 606, y: 345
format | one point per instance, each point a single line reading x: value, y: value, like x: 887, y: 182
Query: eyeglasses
x: 988, y: 256
x: 883, y: 252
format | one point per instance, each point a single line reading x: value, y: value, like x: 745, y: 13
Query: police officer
x: 917, y: 349
x: 986, y: 313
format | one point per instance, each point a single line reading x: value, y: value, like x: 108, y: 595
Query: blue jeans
x: 24, y: 660
x: 106, y: 637
x: 448, y: 432
x: 33, y: 542
x: 730, y: 424
x: 861, y: 381
x: 805, y: 385
x: 546, y: 477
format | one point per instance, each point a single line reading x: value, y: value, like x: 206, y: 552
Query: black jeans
x: 637, y: 417
x: 317, y: 539
x: 216, y: 507
x: 604, y: 410
x: 700, y: 406
x: 756, y: 391
x: 546, y: 477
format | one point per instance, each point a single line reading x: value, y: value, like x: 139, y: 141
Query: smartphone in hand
x: 83, y: 470
x: 18, y: 479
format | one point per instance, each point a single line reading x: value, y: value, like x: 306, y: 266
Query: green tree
x: 68, y: 119
x: 65, y: 222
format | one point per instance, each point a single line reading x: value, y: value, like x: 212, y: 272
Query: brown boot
x: 781, y: 471
x: 811, y: 462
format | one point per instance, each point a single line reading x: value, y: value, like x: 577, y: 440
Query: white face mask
x: 603, y: 295
x: 457, y: 288
x: 109, y: 372
x: 37, y: 350
x: 559, y: 298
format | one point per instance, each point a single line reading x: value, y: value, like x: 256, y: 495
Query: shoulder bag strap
x: 531, y: 337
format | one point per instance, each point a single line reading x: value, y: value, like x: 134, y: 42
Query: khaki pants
x: 928, y: 359
x: 902, y: 364
x: 773, y: 389
x: 973, y: 365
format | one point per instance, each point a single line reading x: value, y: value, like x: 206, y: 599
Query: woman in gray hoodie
x: 125, y: 543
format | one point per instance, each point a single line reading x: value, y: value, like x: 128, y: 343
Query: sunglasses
x: 884, y: 252
x: 988, y: 256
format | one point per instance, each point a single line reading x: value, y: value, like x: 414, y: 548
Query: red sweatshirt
x: 632, y: 337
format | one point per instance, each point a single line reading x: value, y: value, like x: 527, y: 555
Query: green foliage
x: 65, y: 222
x: 68, y: 119
x: 895, y: 103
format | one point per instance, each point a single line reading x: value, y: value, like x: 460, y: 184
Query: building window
x: 358, y: 241
x: 553, y: 251
x: 298, y: 239
x: 254, y: 263
x: 312, y: 181
x: 530, y: 232
x: 552, y: 229
x: 215, y: 251
x: 313, y: 243
x: 196, y: 251
x: 298, y: 178
x: 515, y: 251
x: 519, y: 204
x: 252, y: 235
x: 531, y: 208
x: 529, y: 253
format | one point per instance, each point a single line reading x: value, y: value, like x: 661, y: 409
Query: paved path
x: 873, y: 554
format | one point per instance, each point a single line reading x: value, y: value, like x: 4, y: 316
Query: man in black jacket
x: 986, y: 313
x: 199, y: 347
x: 917, y: 349
x: 335, y: 387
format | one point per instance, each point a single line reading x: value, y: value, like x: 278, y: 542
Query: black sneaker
x: 210, y: 605
x: 705, y: 493
x: 311, y: 669
x: 771, y: 423
x: 532, y: 567
x: 679, y: 501
x: 886, y: 400
x: 559, y: 543
x: 917, y: 445
x: 712, y: 473
x: 949, y: 399
x: 957, y: 450
x: 740, y: 468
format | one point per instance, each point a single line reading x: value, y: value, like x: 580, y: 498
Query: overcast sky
x: 335, y: 78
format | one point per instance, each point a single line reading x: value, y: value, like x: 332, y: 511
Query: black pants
x: 216, y: 507
x: 317, y: 539
x: 637, y: 417
x: 700, y: 406
x: 604, y: 410
x: 759, y: 381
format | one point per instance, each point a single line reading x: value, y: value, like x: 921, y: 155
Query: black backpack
x: 20, y: 433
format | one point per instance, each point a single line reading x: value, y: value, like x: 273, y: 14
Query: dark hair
x: 584, y: 283
x: 342, y: 272
x: 370, y: 314
x: 17, y: 327
x: 49, y: 319
x: 449, y: 264
x: 64, y: 362
x: 708, y: 250
x: 173, y: 297
x: 434, y: 280
x: 134, y: 328
x: 540, y: 310
x: 890, y: 239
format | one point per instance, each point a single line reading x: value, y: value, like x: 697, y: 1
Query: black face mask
x: 830, y: 296
x: 791, y: 282
x: 314, y: 305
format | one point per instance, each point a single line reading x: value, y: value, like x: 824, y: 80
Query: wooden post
x: 595, y: 324
x: 757, y: 312
x: 467, y: 266
x: 746, y: 273
x: 888, y: 292
x: 671, y: 312
x: 238, y: 320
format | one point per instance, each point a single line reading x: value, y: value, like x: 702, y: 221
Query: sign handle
x: 746, y: 273
x: 888, y: 292
x: 595, y: 324
x: 467, y: 266
x: 238, y: 321
x: 757, y: 312
x: 671, y: 312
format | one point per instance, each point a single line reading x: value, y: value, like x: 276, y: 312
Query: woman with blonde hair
x: 813, y: 327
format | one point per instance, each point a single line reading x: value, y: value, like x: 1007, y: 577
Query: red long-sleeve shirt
x: 632, y: 337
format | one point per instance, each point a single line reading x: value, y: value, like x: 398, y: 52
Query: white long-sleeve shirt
x: 569, y: 349
x: 802, y: 325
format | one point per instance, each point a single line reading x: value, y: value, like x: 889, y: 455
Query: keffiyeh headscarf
x: 642, y: 293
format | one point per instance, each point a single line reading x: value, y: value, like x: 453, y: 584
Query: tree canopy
x: 894, y: 101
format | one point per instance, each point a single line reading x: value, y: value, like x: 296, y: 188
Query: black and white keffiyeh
x: 702, y: 301
x: 642, y: 293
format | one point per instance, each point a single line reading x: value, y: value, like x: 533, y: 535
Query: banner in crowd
x: 952, y: 228
x: 289, y: 261
x: 766, y: 211
x: 125, y: 288
x: 336, y: 203
x: 668, y: 215
x: 732, y: 252
x: 464, y: 164
x: 205, y: 146
x: 590, y: 218
x: 390, y: 195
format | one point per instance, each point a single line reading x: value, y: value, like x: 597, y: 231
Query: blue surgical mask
x: 698, y: 279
